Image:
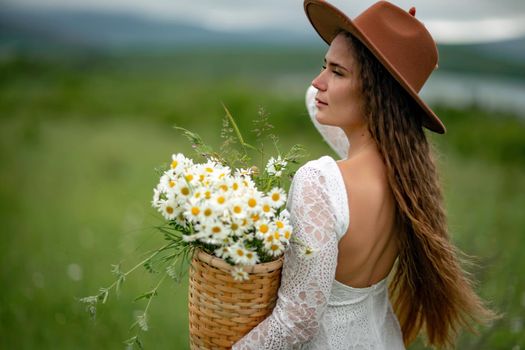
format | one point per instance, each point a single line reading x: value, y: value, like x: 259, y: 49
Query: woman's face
x: 339, y: 99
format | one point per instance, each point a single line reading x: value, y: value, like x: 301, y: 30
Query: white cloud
x: 482, y: 30
x: 448, y: 20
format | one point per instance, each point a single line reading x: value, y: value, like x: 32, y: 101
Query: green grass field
x: 79, y: 143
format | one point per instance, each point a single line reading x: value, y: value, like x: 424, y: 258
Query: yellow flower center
x: 252, y: 202
x: 276, y: 235
x: 207, y: 212
x: 174, y: 164
x: 171, y: 183
x: 274, y: 247
x: 195, y: 210
x: 255, y: 217
x: 240, y: 252
x: 209, y: 170
x: 185, y: 191
x: 249, y: 255
x: 263, y: 228
x: 224, y: 188
x: 287, y: 234
x: 169, y: 210
x: 235, y: 186
x: 266, y: 208
x: 216, y: 229
x: 189, y: 177
x: 279, y: 224
x: 234, y: 226
x: 221, y: 200
x: 207, y: 194
x: 237, y: 209
x: 276, y: 196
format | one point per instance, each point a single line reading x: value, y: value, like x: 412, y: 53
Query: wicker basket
x: 222, y: 310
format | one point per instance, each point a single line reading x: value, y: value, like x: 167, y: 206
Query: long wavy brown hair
x: 430, y: 291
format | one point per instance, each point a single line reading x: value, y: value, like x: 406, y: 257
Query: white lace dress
x: 313, y: 309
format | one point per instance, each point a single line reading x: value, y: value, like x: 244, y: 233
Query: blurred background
x: 89, y: 94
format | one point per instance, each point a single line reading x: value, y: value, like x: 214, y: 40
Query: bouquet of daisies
x: 223, y: 205
x: 223, y: 212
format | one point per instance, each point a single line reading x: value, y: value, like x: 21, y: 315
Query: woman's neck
x: 359, y: 140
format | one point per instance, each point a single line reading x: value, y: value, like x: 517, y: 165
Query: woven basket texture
x: 221, y: 309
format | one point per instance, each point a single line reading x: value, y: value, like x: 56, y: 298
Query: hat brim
x: 327, y: 20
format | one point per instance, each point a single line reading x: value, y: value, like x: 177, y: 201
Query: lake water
x: 488, y: 92
x: 453, y: 89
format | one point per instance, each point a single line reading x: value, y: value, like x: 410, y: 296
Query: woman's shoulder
x: 319, y: 168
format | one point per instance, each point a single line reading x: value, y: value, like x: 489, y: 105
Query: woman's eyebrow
x: 335, y: 64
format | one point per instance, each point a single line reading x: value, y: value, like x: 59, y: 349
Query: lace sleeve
x: 306, y: 281
x: 333, y: 135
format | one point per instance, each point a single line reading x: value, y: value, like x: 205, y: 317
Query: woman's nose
x: 318, y: 82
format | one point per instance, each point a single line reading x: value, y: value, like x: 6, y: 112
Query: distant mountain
x: 34, y: 30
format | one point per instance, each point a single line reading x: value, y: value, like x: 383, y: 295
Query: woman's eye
x: 333, y: 71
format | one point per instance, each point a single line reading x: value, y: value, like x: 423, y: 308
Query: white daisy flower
x: 223, y: 252
x: 217, y: 231
x: 193, y: 210
x: 244, y: 224
x: 191, y: 178
x: 219, y: 201
x: 169, y: 210
x: 251, y: 258
x: 266, y: 207
x: 235, y: 184
x: 243, y: 172
x: 276, y: 248
x: 239, y: 274
x: 255, y: 218
x: 286, y: 234
x: 179, y: 162
x: 308, y: 252
x: 276, y: 166
x: 262, y: 229
x: 253, y: 201
x: 239, y: 253
x: 182, y: 189
x: 235, y: 227
x: 207, y: 211
x: 159, y: 196
x: 277, y: 197
x: 167, y: 181
x: 248, y: 184
x: 238, y: 208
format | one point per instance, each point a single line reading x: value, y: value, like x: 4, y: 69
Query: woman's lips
x: 320, y: 103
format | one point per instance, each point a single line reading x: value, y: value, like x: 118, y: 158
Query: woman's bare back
x: 369, y: 248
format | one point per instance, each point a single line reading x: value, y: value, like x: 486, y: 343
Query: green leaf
x: 147, y: 295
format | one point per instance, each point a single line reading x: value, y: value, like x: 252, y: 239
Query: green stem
x: 237, y: 131
x: 154, y: 293
x: 140, y: 264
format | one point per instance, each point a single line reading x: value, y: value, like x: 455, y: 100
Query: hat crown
x: 402, y: 40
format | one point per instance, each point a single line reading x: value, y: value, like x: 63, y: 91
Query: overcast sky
x: 449, y: 21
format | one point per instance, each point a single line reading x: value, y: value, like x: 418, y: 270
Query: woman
x: 382, y: 203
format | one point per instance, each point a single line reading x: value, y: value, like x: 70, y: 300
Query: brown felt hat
x: 399, y: 41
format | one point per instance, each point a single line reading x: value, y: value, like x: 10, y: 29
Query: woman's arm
x: 306, y: 281
x: 333, y: 135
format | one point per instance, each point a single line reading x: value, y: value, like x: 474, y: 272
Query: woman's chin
x: 322, y: 118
